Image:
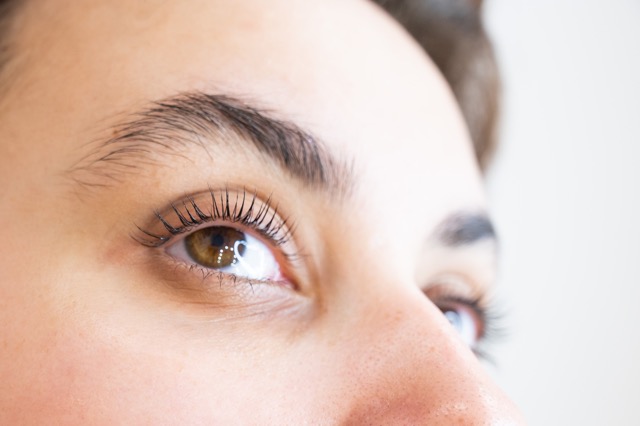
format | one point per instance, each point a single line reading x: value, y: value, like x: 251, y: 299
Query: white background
x: 565, y: 191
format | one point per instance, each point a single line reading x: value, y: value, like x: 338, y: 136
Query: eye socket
x: 227, y: 250
x: 467, y: 318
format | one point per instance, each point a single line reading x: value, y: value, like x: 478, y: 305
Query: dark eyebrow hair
x: 169, y: 125
x: 464, y: 228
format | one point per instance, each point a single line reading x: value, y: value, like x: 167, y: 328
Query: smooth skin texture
x: 96, y: 328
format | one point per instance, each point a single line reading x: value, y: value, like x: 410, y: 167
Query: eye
x: 227, y: 250
x: 467, y: 318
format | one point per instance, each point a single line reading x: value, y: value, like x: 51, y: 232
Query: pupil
x: 217, y: 239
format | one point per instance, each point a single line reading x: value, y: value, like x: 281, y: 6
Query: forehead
x: 339, y: 68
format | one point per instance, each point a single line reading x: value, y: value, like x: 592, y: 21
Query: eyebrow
x: 464, y: 229
x: 166, y: 127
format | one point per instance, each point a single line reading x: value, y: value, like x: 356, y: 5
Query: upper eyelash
x: 264, y: 220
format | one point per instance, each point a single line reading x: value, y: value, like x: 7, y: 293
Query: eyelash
x: 224, y: 208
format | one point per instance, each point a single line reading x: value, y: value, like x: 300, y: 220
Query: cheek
x: 77, y: 376
x: 70, y: 376
x: 68, y: 365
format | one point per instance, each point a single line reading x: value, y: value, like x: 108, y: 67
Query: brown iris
x: 216, y: 247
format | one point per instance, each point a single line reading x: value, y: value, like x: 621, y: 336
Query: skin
x: 96, y: 328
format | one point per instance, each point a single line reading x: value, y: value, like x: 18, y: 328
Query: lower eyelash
x: 210, y: 278
x: 224, y: 206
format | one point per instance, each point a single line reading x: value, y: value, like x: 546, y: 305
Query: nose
x: 406, y: 365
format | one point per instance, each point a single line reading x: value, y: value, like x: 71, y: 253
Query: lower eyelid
x: 196, y: 285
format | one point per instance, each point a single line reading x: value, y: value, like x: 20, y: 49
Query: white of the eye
x: 256, y: 263
x: 465, y: 324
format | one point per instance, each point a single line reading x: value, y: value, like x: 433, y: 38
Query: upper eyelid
x: 227, y: 205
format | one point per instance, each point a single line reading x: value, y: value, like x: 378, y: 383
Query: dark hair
x: 452, y: 33
x: 6, y: 9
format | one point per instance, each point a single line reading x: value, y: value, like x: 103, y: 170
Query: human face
x: 367, y: 220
